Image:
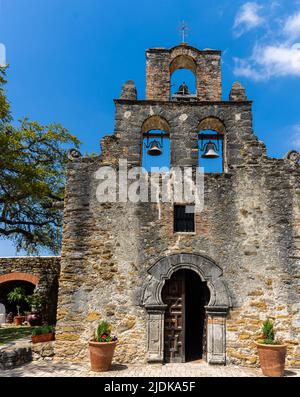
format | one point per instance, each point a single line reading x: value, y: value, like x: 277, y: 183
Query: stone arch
x: 183, y: 62
x: 217, y: 125
x: 155, y: 123
x: 217, y: 309
x: 17, y: 276
x: 205, y: 267
x: 212, y: 123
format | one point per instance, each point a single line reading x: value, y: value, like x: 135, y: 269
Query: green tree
x: 17, y: 295
x: 32, y: 179
x: 4, y: 105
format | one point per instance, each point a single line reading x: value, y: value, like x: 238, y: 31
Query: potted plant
x: 102, y: 347
x: 36, y: 301
x: 43, y: 334
x: 17, y: 295
x: 271, y: 352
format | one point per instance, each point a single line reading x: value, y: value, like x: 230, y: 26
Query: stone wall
x: 15, y: 354
x: 41, y: 271
x: 42, y: 351
x: 250, y: 227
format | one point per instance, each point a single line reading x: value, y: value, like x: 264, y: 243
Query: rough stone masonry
x: 116, y: 257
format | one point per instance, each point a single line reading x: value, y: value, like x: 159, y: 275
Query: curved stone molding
x: 293, y: 156
x: 205, y: 267
x: 73, y: 154
x: 217, y: 309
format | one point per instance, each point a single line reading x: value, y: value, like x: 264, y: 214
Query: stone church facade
x: 175, y: 296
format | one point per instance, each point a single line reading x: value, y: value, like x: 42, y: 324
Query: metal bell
x: 210, y: 151
x: 155, y: 149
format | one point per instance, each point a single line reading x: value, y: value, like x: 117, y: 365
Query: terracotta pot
x: 19, y: 320
x: 101, y: 355
x: 272, y: 359
x: 34, y: 319
x: 43, y: 338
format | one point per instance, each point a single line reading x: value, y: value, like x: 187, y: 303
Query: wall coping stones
x: 173, y: 103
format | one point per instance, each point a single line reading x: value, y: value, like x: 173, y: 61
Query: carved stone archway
x: 216, y: 309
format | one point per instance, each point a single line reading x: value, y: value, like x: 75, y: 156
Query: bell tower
x: 162, y: 63
x: 183, y: 117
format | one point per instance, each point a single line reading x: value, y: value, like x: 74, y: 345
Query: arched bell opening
x: 183, y: 79
x: 156, y: 145
x: 185, y: 323
x: 212, y: 145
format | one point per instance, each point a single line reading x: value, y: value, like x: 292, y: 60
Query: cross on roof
x: 183, y: 28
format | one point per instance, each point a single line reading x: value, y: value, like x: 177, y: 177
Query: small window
x: 184, y: 218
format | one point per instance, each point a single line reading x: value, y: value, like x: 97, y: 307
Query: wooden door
x: 174, y: 339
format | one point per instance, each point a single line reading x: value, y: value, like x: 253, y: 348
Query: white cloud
x: 247, y: 18
x: 244, y: 68
x: 292, y: 26
x: 295, y: 141
x: 2, y: 55
x: 268, y: 61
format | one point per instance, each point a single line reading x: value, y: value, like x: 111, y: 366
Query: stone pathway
x: 63, y: 369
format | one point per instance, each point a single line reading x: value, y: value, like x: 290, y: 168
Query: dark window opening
x: 184, y: 218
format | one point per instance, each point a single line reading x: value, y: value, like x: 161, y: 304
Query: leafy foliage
x: 268, y: 332
x: 4, y: 105
x: 47, y: 329
x: 32, y: 179
x: 17, y: 295
x: 36, y: 301
x: 103, y: 331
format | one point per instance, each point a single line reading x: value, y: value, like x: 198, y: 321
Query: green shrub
x: 17, y: 295
x: 36, y: 301
x: 46, y: 329
x: 268, y: 332
x: 102, y: 333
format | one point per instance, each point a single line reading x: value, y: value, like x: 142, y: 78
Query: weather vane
x: 183, y: 28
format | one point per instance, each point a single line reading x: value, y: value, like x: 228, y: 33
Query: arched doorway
x: 186, y: 296
x: 216, y: 310
x: 9, y: 286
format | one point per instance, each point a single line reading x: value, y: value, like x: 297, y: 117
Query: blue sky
x: 69, y: 58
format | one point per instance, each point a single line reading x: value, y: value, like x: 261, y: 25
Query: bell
x: 183, y: 89
x: 154, y: 150
x: 210, y: 151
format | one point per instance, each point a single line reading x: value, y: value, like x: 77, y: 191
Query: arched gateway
x: 155, y: 300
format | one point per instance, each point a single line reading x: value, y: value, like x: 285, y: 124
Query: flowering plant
x: 103, y: 333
